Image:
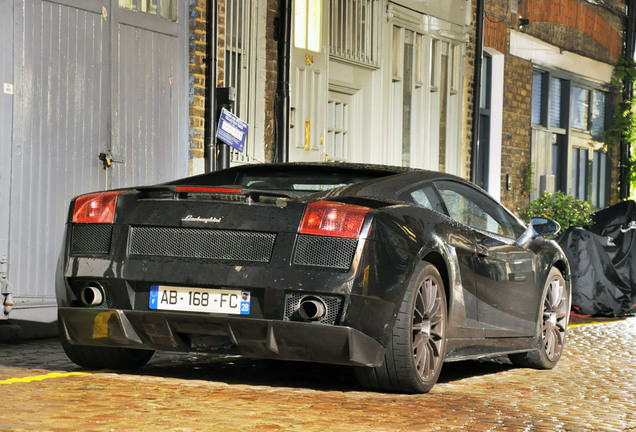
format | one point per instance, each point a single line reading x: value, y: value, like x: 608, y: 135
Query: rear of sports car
x: 225, y: 269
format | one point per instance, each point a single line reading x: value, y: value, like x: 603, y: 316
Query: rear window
x: 300, y: 183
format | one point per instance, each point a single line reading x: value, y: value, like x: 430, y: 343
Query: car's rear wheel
x: 415, y: 353
x: 552, y: 325
x: 95, y: 357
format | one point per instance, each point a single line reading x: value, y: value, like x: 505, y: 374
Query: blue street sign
x: 232, y: 130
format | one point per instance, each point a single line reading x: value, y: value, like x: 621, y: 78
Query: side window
x: 472, y: 208
x: 425, y: 196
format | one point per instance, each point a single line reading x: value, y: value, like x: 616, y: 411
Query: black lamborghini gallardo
x: 387, y: 269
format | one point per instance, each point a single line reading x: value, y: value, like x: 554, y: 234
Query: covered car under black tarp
x: 603, y: 262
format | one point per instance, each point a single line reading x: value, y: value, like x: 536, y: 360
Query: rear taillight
x: 334, y: 219
x: 96, y: 207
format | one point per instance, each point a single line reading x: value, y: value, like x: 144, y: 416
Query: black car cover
x: 603, y: 262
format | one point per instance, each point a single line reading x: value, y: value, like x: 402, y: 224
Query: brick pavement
x: 591, y: 389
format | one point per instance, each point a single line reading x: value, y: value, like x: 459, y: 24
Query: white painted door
x: 308, y: 79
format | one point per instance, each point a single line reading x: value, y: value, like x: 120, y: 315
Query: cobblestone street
x: 591, y: 389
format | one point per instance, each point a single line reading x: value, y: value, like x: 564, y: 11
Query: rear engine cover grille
x: 202, y: 243
x: 91, y: 239
x: 333, y: 252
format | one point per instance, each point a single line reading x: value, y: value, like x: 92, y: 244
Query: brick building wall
x: 197, y: 71
x: 592, y: 31
x: 577, y: 26
x: 515, y: 157
x: 196, y: 63
x: 271, y: 78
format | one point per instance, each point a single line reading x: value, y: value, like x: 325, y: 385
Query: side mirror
x: 539, y: 227
x: 544, y: 226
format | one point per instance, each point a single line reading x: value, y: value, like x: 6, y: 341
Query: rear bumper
x: 187, y: 332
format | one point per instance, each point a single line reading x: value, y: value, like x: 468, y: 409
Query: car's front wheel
x: 415, y: 353
x: 97, y: 357
x: 552, y: 325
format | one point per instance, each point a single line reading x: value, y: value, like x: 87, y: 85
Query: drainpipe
x: 628, y: 92
x: 281, y: 102
x: 479, y: 47
x: 210, y: 86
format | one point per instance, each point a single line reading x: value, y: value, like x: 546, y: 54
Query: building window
x: 559, y: 162
x: 483, y: 148
x: 580, y: 159
x: 307, y: 24
x: 538, y: 98
x: 580, y: 107
x: 337, y: 130
x: 573, y: 114
x: 558, y: 103
x: 597, y: 113
x: 355, y: 31
x: 600, y: 184
x: 164, y: 8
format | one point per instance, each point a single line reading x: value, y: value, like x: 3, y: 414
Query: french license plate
x: 188, y: 299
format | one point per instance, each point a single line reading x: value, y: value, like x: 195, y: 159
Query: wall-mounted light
x: 508, y: 182
x: 523, y: 22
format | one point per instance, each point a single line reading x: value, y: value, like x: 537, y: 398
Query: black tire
x: 415, y: 353
x: 95, y: 357
x: 552, y: 325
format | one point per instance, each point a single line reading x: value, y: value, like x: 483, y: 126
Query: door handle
x: 108, y: 159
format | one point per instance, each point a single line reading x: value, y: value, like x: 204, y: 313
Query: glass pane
x: 397, y: 65
x: 128, y: 4
x: 484, y: 94
x: 453, y: 68
x: 559, y: 168
x: 579, y: 173
x: 556, y: 87
x: 598, y: 112
x: 314, y: 20
x: 473, y: 209
x: 537, y: 97
x: 433, y: 63
x: 419, y: 46
x: 300, y: 24
x: 443, y: 103
x: 407, y: 96
x: 595, y: 179
x: 580, y: 107
x: 169, y: 9
x: 149, y: 6
x: 602, y: 180
x: 599, y: 179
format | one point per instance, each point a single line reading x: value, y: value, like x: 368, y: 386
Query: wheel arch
x: 437, y: 259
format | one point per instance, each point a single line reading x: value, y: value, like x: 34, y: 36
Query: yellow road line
x: 590, y: 323
x: 32, y: 378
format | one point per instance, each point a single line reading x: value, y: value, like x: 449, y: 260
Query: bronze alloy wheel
x: 429, y: 328
x: 415, y: 353
x: 553, y: 325
x: 555, y: 317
